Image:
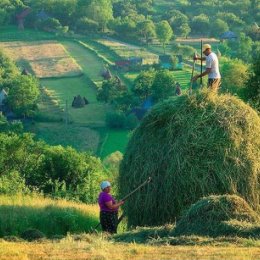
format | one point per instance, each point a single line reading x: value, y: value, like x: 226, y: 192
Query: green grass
x: 11, y: 33
x: 52, y: 217
x: 61, y: 90
x: 79, y: 137
x: 113, y: 140
x: 89, y: 62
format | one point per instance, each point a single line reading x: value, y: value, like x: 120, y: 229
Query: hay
x: 192, y: 146
x: 224, y: 215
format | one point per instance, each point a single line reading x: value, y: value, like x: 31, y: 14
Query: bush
x: 12, y: 183
x: 116, y: 120
x: 32, y: 234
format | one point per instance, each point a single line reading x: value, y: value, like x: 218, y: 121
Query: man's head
x: 105, y: 185
x: 206, y: 49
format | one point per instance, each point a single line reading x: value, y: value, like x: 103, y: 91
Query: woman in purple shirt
x: 108, y: 208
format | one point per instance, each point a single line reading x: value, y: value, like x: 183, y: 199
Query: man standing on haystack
x: 212, y: 68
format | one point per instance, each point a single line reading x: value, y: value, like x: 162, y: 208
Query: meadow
x: 125, y: 51
x: 42, y: 58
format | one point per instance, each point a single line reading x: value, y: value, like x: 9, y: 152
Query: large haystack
x: 223, y: 215
x: 192, y: 146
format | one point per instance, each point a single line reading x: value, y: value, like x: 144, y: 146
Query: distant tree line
x: 138, y: 18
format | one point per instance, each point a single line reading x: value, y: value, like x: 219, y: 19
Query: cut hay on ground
x: 192, y: 146
x: 43, y: 58
x: 225, y: 215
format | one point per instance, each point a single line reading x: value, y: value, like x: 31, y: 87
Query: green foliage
x: 32, y: 234
x: 234, y: 76
x: 147, y: 30
x: 253, y: 84
x: 23, y: 95
x: 86, y: 25
x: 19, y: 153
x: 64, y: 172
x: 110, y: 90
x: 143, y: 84
x: 200, y: 24
x: 12, y: 183
x: 101, y: 12
x: 218, y: 27
x: 164, y: 33
x: 163, y: 85
x: 56, y: 170
x: 184, y: 50
x: 191, y: 146
x: 116, y: 120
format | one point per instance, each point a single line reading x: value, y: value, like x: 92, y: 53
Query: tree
x: 147, y: 30
x: 164, y: 33
x: 184, y: 50
x: 253, y: 84
x: 23, y: 95
x: 101, y: 11
x: 184, y: 30
x: 143, y: 84
x: 230, y: 18
x: 20, y: 153
x: 163, y: 85
x: 234, y: 76
x: 200, y: 24
x: 244, y: 50
x: 86, y: 25
x: 69, y: 173
x: 179, y: 22
x: 218, y: 27
x: 110, y: 90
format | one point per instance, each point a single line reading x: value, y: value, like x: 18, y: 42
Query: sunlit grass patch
x: 45, y: 58
x: 126, y: 50
x: 52, y: 217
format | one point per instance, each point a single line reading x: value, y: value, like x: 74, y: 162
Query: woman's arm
x: 110, y: 204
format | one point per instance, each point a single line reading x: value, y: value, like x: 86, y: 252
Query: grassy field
x: 113, y: 140
x: 98, y: 248
x: 51, y: 217
x: 125, y: 50
x: 42, y: 58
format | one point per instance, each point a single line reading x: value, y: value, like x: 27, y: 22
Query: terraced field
x: 44, y: 59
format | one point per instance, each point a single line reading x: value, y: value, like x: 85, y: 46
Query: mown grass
x: 66, y: 89
x: 52, y: 217
x: 98, y: 247
x: 45, y: 59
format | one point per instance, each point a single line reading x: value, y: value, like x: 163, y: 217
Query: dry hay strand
x: 223, y: 215
x: 191, y: 146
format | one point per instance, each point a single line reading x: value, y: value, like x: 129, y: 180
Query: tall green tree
x: 101, y: 11
x: 163, y: 85
x: 218, y: 27
x: 164, y: 33
x: 23, y: 95
x: 200, y: 24
x: 143, y: 84
x: 147, y: 30
x: 234, y: 76
x: 253, y: 83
